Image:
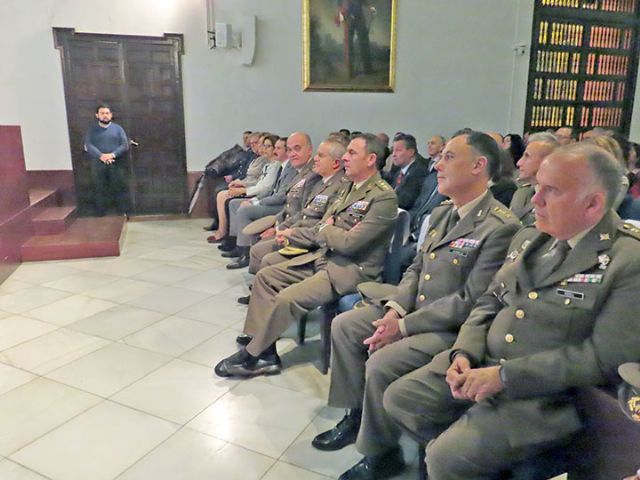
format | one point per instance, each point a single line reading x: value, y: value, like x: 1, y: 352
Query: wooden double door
x: 140, y: 78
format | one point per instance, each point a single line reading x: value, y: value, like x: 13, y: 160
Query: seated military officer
x: 540, y: 145
x: 561, y: 313
x: 295, y: 228
x: 464, y: 248
x: 353, y: 237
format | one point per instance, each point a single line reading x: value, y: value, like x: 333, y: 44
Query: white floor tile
x: 212, y: 281
x: 70, y: 309
x: 82, y: 282
x: 52, y: 350
x: 122, y: 290
x: 284, y: 471
x: 259, y: 417
x: 165, y: 274
x: 11, y: 285
x: 109, y: 369
x: 12, y: 471
x: 178, y: 391
x: 125, y: 267
x: 172, y: 336
x: 190, y: 455
x: 4, y: 314
x: 166, y: 255
x: 117, y: 322
x: 41, y: 272
x: 11, y: 378
x: 31, y: 410
x: 98, y: 444
x: 203, y: 261
x: 30, y: 298
x: 215, y: 349
x: 168, y: 299
x: 218, y: 310
x: 16, y: 329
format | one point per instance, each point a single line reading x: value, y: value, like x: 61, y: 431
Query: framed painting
x: 349, y: 45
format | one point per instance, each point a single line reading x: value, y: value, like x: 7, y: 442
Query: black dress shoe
x: 343, y: 434
x: 244, y: 300
x: 231, y: 253
x: 210, y: 228
x: 384, y: 465
x: 242, y: 262
x: 242, y: 364
x: 244, y: 339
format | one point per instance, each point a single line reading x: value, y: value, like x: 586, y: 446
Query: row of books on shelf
x: 619, y: 6
x: 550, y: 116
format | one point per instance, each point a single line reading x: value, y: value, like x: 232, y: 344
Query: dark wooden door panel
x: 140, y: 77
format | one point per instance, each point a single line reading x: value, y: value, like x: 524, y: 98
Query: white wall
x: 455, y: 67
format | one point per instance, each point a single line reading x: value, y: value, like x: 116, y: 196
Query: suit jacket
x: 521, y: 204
x: 352, y: 250
x: 322, y: 196
x: 254, y: 171
x: 453, y: 269
x: 572, y: 329
x: 409, y: 188
x: 428, y: 199
x: 287, y: 179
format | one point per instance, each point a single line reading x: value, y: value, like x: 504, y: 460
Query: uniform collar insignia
x: 604, y: 260
x: 604, y: 236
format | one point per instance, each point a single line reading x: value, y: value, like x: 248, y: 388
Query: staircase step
x: 43, y: 197
x: 52, y: 220
x: 85, y: 238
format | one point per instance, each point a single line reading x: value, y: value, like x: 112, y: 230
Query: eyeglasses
x: 267, y: 145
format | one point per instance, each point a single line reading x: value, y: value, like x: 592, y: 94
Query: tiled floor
x: 105, y: 373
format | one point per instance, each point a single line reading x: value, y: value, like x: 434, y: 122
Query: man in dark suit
x: 406, y: 179
x: 560, y: 314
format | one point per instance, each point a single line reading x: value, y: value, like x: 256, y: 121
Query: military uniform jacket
x: 452, y: 270
x: 297, y: 192
x: 572, y: 329
x: 352, y: 250
x: 521, y: 204
x: 321, y: 196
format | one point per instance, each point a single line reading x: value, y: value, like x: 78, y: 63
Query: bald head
x: 299, y: 149
x: 565, y: 135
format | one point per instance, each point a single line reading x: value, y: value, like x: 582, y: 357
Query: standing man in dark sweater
x: 106, y: 143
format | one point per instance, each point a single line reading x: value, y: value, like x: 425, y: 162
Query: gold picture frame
x: 349, y: 45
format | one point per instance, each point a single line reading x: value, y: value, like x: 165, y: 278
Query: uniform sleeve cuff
x: 397, y: 307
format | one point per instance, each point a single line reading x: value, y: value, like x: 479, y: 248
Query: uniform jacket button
x: 509, y: 338
x: 422, y: 298
x: 427, y: 277
x: 533, y: 295
x: 520, y: 313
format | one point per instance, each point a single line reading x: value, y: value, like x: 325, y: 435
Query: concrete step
x: 53, y: 220
x: 85, y: 238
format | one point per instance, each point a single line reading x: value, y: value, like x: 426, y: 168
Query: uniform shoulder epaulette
x: 383, y: 185
x: 525, y: 185
x: 444, y: 204
x: 503, y: 213
x: 630, y: 230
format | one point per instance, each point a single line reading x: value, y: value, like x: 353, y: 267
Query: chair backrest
x: 392, y: 265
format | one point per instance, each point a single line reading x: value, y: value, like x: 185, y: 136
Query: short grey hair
x: 544, y: 137
x: 606, y: 170
x: 336, y: 148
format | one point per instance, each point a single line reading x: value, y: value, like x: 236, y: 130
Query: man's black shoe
x: 231, y: 253
x: 244, y: 339
x: 242, y: 364
x: 242, y: 262
x: 244, y: 300
x: 343, y: 434
x: 384, y: 465
x: 226, y: 247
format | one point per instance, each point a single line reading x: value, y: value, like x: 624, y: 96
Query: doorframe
x: 62, y: 38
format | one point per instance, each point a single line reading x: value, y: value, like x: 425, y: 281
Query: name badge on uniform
x: 320, y: 200
x: 570, y: 294
x: 585, y: 278
x: 359, y: 207
x: 465, y: 243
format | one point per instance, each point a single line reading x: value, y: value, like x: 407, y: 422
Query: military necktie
x: 453, y: 220
x: 550, y: 261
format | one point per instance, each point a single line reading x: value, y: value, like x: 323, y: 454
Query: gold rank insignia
x: 633, y: 406
x: 604, y: 236
x: 383, y: 185
x: 502, y: 212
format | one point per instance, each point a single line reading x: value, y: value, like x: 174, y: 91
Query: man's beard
x: 102, y: 122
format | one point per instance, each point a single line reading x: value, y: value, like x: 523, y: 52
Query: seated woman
x: 242, y: 188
